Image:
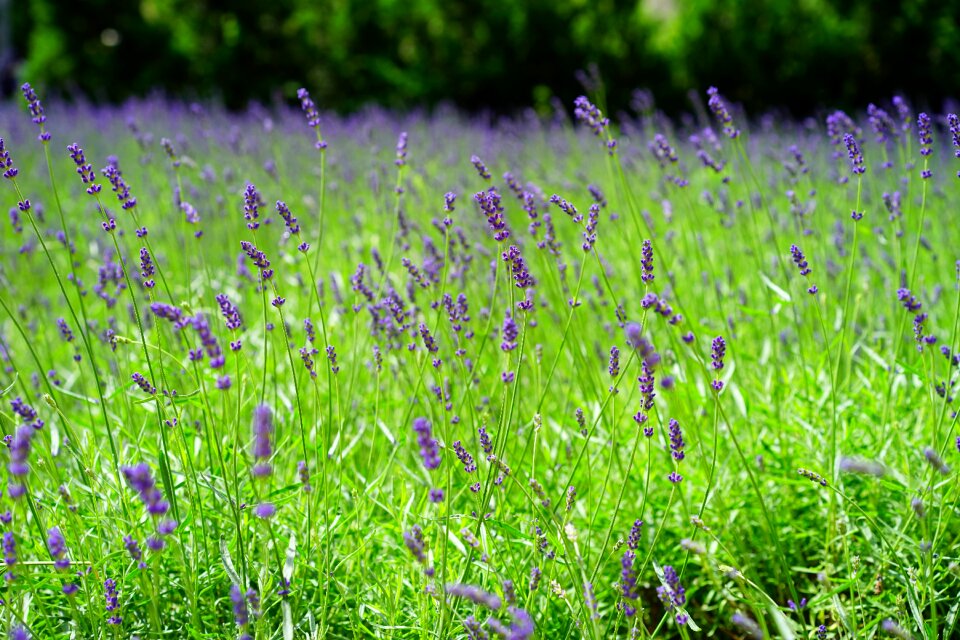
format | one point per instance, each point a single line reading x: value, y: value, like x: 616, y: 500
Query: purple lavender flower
x: 230, y: 312
x: 588, y: 113
x: 924, y: 133
x: 119, y: 186
x: 309, y: 108
x: 671, y: 593
x: 747, y: 626
x: 112, y: 601
x: 19, y: 633
x: 146, y: 268
x: 6, y: 162
x: 58, y: 548
x: 891, y: 628
x: 84, y: 169
x: 265, y: 510
x: 262, y: 447
x: 952, y: 121
x: 144, y: 384
x: 633, y: 540
x: 415, y: 543
x: 428, y: 446
x: 936, y: 462
x: 9, y: 554
x: 288, y: 219
x: 676, y: 440
x: 475, y: 595
x: 36, y: 110
x: 718, y: 350
x: 240, y: 615
x: 332, y: 358
x: 251, y: 207
x: 480, y: 167
x: 628, y: 581
x: 509, y: 333
x: 485, y: 443
x: 613, y: 368
x: 401, y: 149
x: 18, y: 467
x: 908, y: 300
x: 853, y: 152
x: 719, y: 108
x: 133, y: 548
x: 489, y: 202
x: 140, y: 479
x: 881, y: 123
x: 518, y: 268
x: 646, y: 262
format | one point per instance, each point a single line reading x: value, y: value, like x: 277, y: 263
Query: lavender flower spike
x: 428, y: 446
x: 262, y: 447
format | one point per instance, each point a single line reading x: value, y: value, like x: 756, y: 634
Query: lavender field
x: 286, y: 374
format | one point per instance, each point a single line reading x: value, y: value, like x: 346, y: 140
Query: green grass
x: 810, y: 382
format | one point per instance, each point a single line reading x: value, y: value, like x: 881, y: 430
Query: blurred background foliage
x: 499, y: 54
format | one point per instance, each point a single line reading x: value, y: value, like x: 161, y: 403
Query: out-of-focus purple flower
x: 509, y: 333
x: 133, y: 548
x: 415, y: 543
x: 140, y: 479
x: 309, y: 108
x: 262, y: 446
x: 428, y: 446
x: 628, y: 582
x: 747, y: 626
x: 58, y: 548
x: 891, y: 628
x: 19, y: 633
x: 9, y: 554
x: 881, y: 123
x: 401, y: 149
x: 265, y: 510
x: 475, y: 595
x: 936, y: 462
x: 240, y: 615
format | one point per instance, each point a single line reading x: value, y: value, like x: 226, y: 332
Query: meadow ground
x: 286, y: 374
